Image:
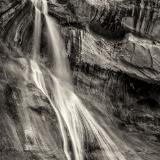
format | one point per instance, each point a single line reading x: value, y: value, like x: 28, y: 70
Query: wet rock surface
x: 114, y: 54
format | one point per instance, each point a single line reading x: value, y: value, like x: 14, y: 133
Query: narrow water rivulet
x: 76, y: 123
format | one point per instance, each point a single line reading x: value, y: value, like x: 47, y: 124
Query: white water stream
x: 75, y: 121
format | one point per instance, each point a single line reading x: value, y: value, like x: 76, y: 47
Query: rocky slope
x: 114, y: 53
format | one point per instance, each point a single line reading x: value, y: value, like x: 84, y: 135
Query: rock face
x: 114, y: 54
x: 116, y: 22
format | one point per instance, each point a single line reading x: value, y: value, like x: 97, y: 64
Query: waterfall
x: 76, y: 122
x: 37, y: 30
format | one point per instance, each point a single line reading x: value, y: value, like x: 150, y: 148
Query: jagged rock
x: 137, y: 57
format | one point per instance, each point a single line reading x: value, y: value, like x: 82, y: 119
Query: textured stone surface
x: 114, y: 53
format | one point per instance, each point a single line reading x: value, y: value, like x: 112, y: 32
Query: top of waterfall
x: 42, y: 3
x: 45, y: 7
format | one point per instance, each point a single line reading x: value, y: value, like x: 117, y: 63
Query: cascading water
x: 37, y: 29
x: 75, y: 121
